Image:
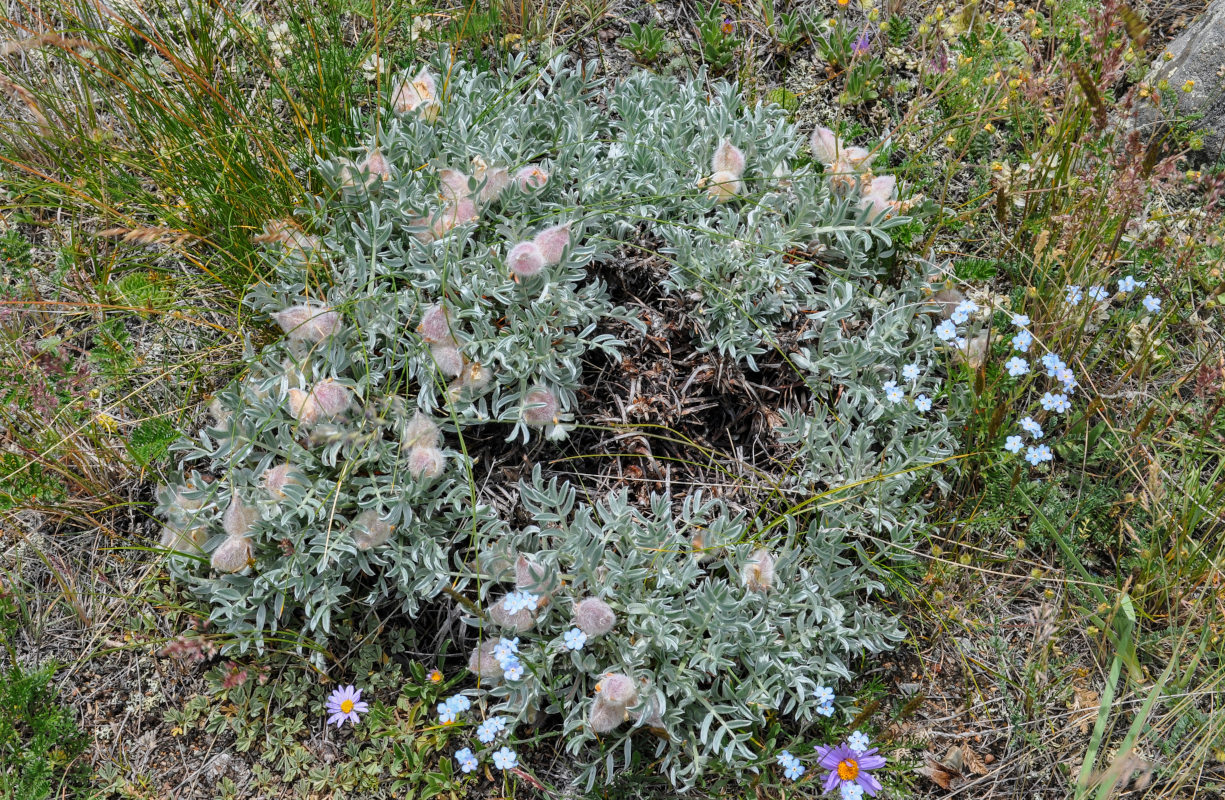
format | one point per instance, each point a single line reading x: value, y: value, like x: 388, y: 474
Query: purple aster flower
x: 862, y: 44
x: 848, y: 766
x: 345, y: 703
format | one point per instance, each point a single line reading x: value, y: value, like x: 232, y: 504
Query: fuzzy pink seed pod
x: 530, y: 576
x: 530, y: 178
x: 332, y: 398
x: 648, y: 717
x: 275, y: 479
x: 308, y: 322
x: 759, y: 571
x: 605, y: 717
x: 418, y: 94
x: 540, y: 407
x: 825, y: 145
x: 376, y: 164
x: 174, y: 499
x: 302, y: 406
x: 496, y: 181
x: 452, y: 215
x: 617, y: 690
x: 449, y: 360
x: 454, y: 185
x: 594, y: 617
x: 858, y: 158
x: 974, y: 353
x: 232, y: 554
x: 525, y: 259
x: 552, y: 242
x: 435, y: 325
x: 421, y: 432
x: 520, y: 621
x: 724, y: 186
x: 239, y: 518
x: 370, y: 530
x: 220, y: 414
x: 881, y: 191
x: 483, y: 663
x: 426, y: 462
x: 189, y: 540
x: 701, y: 551
x: 728, y: 158
x: 947, y: 301
x: 476, y: 377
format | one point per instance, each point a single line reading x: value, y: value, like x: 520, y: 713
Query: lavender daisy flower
x: 345, y: 703
x: 848, y: 766
x: 862, y: 43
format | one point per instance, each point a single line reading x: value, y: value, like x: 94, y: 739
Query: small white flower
x: 505, y: 758
x: 946, y: 330
x: 575, y: 639
x: 1074, y: 295
x: 512, y: 670
x: 910, y: 372
x: 1022, y: 341
x: 1013, y: 444
x: 1020, y: 320
x: 857, y: 741
x: 466, y: 760
x: 1017, y: 366
x: 923, y: 403
x: 1152, y: 304
x: 1031, y: 427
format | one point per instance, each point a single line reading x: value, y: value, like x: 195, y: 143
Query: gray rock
x: 1198, y: 55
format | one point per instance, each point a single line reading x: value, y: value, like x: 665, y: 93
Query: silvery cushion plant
x: 736, y: 197
x: 679, y: 627
x: 448, y: 285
